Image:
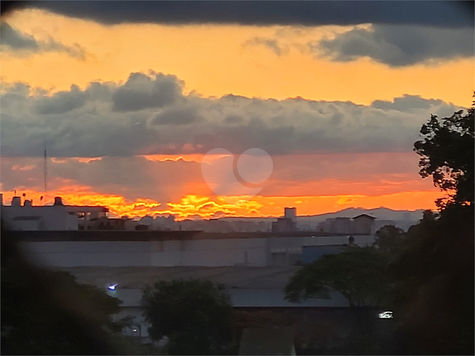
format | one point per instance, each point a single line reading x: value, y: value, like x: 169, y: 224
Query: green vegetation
x: 389, y: 239
x: 359, y: 275
x: 195, y: 316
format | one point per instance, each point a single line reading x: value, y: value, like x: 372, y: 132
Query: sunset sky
x: 129, y: 98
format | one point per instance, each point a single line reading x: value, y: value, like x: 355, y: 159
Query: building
x: 56, y: 217
x: 284, y: 225
x: 288, y: 223
x: 105, y: 223
x: 343, y: 226
x: 364, y: 224
x: 291, y: 213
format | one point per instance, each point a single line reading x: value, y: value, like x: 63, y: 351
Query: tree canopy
x: 359, y: 275
x: 389, y: 238
x: 434, y: 272
x: 195, y: 315
x: 446, y: 148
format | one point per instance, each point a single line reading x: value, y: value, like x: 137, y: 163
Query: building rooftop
x: 364, y: 215
x: 249, y: 287
x: 232, y: 276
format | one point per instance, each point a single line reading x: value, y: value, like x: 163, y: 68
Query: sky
x: 129, y: 98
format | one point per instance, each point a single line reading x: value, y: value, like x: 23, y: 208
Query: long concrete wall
x: 209, y: 253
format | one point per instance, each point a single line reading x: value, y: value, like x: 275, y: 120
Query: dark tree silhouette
x: 434, y: 273
x: 389, y: 238
x: 447, y: 154
x: 359, y: 275
x: 195, y: 316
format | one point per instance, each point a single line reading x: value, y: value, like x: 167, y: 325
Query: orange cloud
x: 192, y: 206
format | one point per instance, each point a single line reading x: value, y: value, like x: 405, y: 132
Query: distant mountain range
x: 381, y: 213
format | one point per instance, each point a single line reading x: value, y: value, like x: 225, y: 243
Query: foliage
x: 434, y: 272
x: 359, y: 275
x: 47, y: 312
x: 389, y: 238
x: 194, y: 314
x: 435, y: 283
x: 447, y: 154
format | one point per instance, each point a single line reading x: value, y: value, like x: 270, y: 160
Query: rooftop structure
x: 291, y: 213
x: 56, y: 217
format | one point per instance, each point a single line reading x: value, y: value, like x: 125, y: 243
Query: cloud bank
x: 454, y: 14
x: 149, y: 114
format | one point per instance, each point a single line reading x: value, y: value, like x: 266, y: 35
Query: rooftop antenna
x: 45, y: 168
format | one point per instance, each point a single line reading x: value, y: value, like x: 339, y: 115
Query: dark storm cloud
x: 61, y: 102
x: 306, y: 13
x: 398, y: 46
x: 79, y: 123
x: 142, y: 92
x: 23, y: 44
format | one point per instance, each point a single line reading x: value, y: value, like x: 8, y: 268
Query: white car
x: 385, y: 315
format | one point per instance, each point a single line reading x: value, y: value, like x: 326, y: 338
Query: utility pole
x: 45, y: 168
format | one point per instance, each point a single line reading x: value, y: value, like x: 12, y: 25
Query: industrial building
x: 362, y: 224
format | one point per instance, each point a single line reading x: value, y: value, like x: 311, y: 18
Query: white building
x: 364, y: 224
x: 28, y: 217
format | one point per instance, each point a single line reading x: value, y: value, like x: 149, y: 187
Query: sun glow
x: 205, y: 207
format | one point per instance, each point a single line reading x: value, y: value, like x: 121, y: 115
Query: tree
x: 434, y: 284
x: 434, y: 272
x: 359, y: 275
x: 47, y: 312
x: 195, y: 316
x: 389, y: 238
x: 447, y: 154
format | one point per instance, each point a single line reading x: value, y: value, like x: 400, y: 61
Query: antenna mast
x: 45, y: 167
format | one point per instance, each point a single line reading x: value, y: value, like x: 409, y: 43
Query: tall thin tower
x: 45, y: 167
